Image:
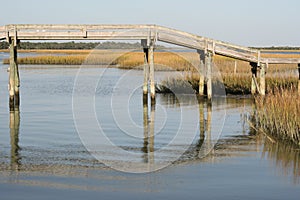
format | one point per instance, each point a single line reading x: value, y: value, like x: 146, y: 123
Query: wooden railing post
x: 208, y: 63
x: 14, y: 81
x: 146, y: 67
x: 201, y: 72
x: 254, y: 78
x: 151, y: 64
x: 262, y: 79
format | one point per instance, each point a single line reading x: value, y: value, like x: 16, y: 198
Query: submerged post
x: 14, y: 81
x: 253, y: 78
x: 14, y: 125
x: 151, y: 64
x: 262, y: 79
x: 202, y: 121
x: 151, y: 136
x: 201, y: 72
x: 208, y: 62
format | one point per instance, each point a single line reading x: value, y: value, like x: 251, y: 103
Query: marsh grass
x: 239, y: 84
x: 236, y: 75
x: 179, y: 61
x: 278, y: 114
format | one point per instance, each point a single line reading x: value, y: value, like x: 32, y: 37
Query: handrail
x: 133, y: 32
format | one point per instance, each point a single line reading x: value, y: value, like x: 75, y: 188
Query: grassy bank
x: 278, y: 115
x: 178, y: 61
x: 236, y: 75
x: 239, y: 84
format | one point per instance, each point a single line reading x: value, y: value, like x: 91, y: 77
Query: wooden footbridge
x: 149, y: 35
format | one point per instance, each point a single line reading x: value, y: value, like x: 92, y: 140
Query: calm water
x: 42, y: 155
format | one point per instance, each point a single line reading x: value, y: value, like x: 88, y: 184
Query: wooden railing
x: 135, y: 32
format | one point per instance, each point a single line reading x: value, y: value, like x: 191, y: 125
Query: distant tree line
x: 74, y: 45
x: 277, y: 48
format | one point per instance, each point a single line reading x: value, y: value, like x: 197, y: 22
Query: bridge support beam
x: 201, y: 72
x: 208, y: 63
x: 146, y: 72
x: 14, y: 80
x: 148, y: 47
x: 258, y: 87
x: 262, y: 79
x: 254, y: 85
x: 151, y: 64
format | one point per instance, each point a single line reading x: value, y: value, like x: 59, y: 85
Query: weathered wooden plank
x: 127, y: 33
x: 196, y: 37
x: 281, y: 60
x: 78, y: 26
x: 249, y: 57
x: 184, y: 42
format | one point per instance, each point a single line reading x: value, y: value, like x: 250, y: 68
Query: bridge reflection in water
x: 14, y: 126
x: 285, y: 157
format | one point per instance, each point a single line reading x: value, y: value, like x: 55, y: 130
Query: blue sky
x: 249, y: 23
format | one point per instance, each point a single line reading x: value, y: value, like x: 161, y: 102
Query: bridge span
x: 148, y: 35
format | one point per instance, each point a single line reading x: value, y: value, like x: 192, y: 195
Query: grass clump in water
x: 278, y: 114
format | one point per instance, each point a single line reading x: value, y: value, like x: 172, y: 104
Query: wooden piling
x: 146, y: 66
x: 151, y: 64
x: 201, y: 72
x: 208, y: 63
x: 254, y: 78
x: 146, y: 72
x: 14, y: 81
x: 262, y: 79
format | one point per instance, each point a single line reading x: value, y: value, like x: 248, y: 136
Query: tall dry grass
x: 236, y: 75
x: 278, y: 114
x: 180, y: 61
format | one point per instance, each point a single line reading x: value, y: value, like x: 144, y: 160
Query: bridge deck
x: 135, y: 32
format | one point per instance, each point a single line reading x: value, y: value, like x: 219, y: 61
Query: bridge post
x: 201, y: 72
x: 146, y: 67
x: 208, y: 63
x: 262, y: 79
x: 254, y: 86
x: 299, y: 78
x: 151, y: 64
x: 14, y: 81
